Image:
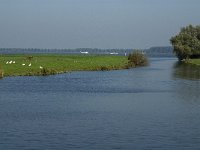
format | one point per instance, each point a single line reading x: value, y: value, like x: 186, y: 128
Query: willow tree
x: 186, y: 43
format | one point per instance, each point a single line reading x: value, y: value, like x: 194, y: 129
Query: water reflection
x: 186, y: 71
x: 188, y: 84
x: 188, y: 90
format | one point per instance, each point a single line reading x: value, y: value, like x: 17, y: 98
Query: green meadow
x: 43, y: 64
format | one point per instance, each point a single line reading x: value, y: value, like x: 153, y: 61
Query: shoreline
x: 195, y: 62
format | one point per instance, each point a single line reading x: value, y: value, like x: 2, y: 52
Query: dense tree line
x: 186, y: 43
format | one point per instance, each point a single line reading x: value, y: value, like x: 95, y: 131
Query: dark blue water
x: 155, y: 107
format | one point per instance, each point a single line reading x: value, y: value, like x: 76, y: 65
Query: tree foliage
x: 186, y: 43
x: 137, y: 58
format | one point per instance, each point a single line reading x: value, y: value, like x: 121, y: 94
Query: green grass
x: 1, y: 73
x: 54, y: 64
x: 194, y: 61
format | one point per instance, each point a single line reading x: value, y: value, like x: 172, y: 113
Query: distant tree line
x: 186, y: 43
x: 162, y: 51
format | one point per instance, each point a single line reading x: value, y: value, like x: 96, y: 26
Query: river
x: 154, y: 107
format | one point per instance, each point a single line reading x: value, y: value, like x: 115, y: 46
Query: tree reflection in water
x: 188, y: 83
x: 186, y: 71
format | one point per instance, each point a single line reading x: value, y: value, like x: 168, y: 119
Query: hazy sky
x: 93, y: 23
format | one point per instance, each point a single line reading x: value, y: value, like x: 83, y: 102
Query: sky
x: 94, y: 23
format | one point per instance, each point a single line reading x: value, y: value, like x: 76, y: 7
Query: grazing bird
x: 13, y: 62
x: 29, y: 65
x: 41, y: 67
x: 23, y: 64
x: 7, y: 62
x: 10, y: 62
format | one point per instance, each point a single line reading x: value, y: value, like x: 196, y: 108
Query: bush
x: 104, y: 68
x: 136, y: 59
x: 46, y: 71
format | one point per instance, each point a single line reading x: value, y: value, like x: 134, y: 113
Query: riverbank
x: 29, y: 65
x: 193, y: 62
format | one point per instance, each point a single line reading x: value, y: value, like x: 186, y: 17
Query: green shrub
x: 136, y: 59
x: 46, y: 71
x: 104, y: 68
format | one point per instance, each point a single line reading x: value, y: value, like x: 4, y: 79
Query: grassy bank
x: 24, y: 65
x: 1, y: 73
x: 194, y: 62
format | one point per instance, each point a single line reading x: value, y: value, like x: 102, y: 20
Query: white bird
x: 13, y: 62
x: 41, y: 67
x: 23, y: 64
x: 7, y: 62
x: 10, y: 62
x: 29, y: 65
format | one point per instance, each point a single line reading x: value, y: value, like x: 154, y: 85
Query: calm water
x: 155, y: 107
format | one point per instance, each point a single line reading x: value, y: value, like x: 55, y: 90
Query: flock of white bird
x: 13, y: 62
x: 10, y: 62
